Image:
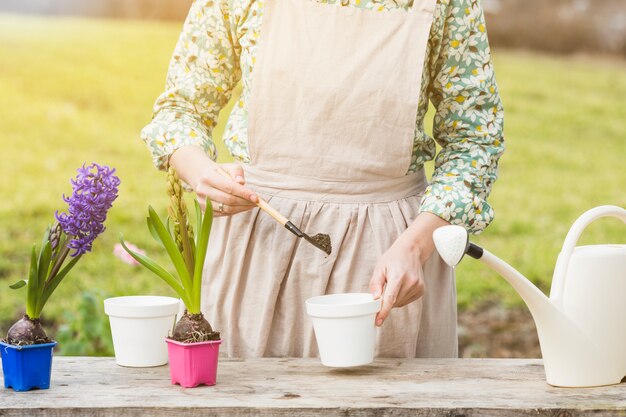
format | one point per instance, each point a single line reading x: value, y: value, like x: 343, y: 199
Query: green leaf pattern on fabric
x: 217, y: 48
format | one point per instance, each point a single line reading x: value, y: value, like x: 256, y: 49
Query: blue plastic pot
x: 27, y: 367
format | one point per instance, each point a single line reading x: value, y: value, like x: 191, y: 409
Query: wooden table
x: 303, y: 387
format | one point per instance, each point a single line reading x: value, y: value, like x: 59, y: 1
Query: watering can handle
x: 560, y: 270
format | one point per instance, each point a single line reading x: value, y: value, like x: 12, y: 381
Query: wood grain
x: 303, y: 387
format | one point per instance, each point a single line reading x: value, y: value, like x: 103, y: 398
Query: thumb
x: 377, y: 282
x: 236, y: 172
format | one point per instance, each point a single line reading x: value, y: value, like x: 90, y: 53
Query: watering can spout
x: 571, y: 357
x: 453, y: 243
x: 538, y: 303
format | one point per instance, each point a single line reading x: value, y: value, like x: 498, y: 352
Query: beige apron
x: 334, y: 98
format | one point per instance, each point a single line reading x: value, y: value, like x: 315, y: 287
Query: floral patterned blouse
x: 217, y: 49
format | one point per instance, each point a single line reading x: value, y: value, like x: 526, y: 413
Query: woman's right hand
x: 228, y: 195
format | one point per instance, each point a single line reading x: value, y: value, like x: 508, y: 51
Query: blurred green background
x: 80, y: 90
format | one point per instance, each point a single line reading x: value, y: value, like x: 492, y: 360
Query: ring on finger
x: 220, y: 208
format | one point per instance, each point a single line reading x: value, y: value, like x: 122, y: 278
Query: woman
x: 329, y: 129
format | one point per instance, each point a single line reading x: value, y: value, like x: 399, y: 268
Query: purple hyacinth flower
x: 94, y: 190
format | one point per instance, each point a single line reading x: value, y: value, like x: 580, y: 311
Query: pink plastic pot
x: 193, y: 364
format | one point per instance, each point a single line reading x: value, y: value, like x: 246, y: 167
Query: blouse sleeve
x: 468, y: 123
x: 203, y: 71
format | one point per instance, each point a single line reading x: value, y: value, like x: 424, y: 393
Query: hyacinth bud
x: 174, y: 204
x: 171, y: 174
x: 171, y: 213
x: 54, y: 237
x: 174, y: 174
x: 181, y: 208
x: 170, y: 188
x: 174, y: 190
x: 171, y: 179
x: 178, y: 237
x: 183, y: 233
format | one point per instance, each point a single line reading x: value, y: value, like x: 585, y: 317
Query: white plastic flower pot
x: 344, y: 328
x: 139, y: 324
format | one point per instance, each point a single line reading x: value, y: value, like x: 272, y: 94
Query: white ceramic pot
x: 344, y: 327
x: 139, y: 324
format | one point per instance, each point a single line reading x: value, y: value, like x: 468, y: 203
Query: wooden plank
x: 303, y: 387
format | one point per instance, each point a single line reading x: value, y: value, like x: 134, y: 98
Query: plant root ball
x: 192, y: 328
x: 27, y: 331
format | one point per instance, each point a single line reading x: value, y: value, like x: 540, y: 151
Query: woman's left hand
x: 399, y: 276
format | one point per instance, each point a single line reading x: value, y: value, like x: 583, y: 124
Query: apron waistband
x: 312, y: 189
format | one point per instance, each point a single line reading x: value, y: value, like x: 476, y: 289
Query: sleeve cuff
x: 169, y: 131
x: 456, y: 205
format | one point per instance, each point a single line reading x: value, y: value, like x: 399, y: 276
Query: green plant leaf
x: 201, y: 248
x: 59, y: 258
x: 44, y: 265
x: 52, y: 284
x: 198, y: 220
x: 188, y: 255
x: 19, y: 284
x: 33, y: 281
x: 153, y: 231
x: 45, y: 260
x: 192, y: 243
x: 159, y: 271
x: 171, y: 248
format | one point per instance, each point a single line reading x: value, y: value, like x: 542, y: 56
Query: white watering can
x: 582, y: 326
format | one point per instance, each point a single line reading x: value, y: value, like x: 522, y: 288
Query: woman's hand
x: 228, y: 195
x: 398, y: 276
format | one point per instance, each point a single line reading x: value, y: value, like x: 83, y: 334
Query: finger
x: 229, y: 186
x: 219, y: 196
x: 220, y: 209
x: 389, y: 300
x: 376, y: 283
x: 408, y: 296
x: 201, y: 201
x: 411, y: 290
x: 236, y: 172
x: 236, y: 189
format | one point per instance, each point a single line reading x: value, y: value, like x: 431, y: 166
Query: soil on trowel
x: 323, y: 241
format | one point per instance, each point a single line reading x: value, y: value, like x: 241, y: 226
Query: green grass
x: 76, y: 91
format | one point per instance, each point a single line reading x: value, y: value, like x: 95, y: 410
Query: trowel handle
x: 560, y: 270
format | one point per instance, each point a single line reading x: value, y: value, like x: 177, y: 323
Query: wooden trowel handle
x: 262, y: 204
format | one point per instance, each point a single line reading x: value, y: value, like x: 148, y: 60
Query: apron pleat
x: 258, y: 275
